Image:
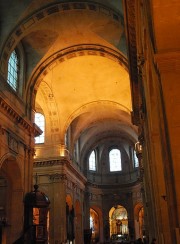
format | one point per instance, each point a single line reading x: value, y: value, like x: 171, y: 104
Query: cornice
x: 48, y: 163
x: 168, y: 62
x: 63, y: 162
x: 6, y: 109
x: 58, y: 177
x: 114, y: 186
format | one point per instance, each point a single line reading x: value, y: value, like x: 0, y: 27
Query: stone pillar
x: 130, y: 210
x: 58, y: 218
x: 86, y: 210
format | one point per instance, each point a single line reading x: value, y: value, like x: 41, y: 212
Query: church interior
x: 89, y: 121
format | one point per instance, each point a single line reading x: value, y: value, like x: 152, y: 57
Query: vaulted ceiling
x: 77, y: 63
x: 76, y: 59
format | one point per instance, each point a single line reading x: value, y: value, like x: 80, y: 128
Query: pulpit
x: 36, y: 207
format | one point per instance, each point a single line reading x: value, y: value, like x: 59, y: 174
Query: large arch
x: 12, y: 197
x: 139, y: 220
x: 99, y: 222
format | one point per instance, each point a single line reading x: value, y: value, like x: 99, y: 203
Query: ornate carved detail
x: 58, y: 177
x: 74, y: 185
x: 29, y: 151
x: 16, y: 118
x: 54, y: 8
x: 76, y: 51
x: 47, y: 163
x: 140, y: 60
x: 140, y: 65
x: 13, y: 143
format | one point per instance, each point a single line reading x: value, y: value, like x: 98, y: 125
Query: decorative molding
x: 58, y: 177
x: 64, y: 162
x: 115, y: 186
x: 54, y: 8
x: 130, y: 16
x: 91, y: 105
x: 48, y: 163
x: 17, y: 119
x: 74, y: 186
x: 29, y: 151
x: 140, y: 62
x: 76, y: 51
x: 13, y: 143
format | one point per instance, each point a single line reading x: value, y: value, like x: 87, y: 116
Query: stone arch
x: 100, y: 222
x: 71, y: 52
x: 139, y: 220
x: 13, y: 199
x: 50, y: 111
x: 86, y: 107
x: 118, y: 217
x: 89, y: 108
x: 137, y: 208
x: 29, y: 21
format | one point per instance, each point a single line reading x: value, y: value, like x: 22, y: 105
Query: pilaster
x: 59, y: 207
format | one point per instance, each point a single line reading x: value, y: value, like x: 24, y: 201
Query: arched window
x: 115, y: 160
x: 92, y: 161
x: 13, y: 69
x: 40, y: 122
x: 136, y: 161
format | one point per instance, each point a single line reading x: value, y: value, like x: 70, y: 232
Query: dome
x: 36, y: 199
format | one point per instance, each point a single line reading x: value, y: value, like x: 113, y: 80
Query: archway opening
x: 139, y: 220
x: 118, y: 223
x: 11, y: 202
x: 94, y: 225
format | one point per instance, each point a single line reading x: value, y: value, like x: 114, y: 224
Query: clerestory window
x: 13, y: 69
x: 92, y: 161
x: 40, y: 122
x: 136, y: 161
x: 115, y: 160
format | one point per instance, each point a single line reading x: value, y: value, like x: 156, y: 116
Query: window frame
x: 135, y: 160
x: 120, y: 161
x: 95, y: 161
x: 42, y: 127
x: 13, y: 69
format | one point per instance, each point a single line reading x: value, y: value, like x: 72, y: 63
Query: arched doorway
x: 11, y: 200
x: 139, y: 220
x: 118, y: 223
x: 94, y: 225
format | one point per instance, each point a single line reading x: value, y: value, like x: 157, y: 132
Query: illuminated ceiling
x: 87, y: 88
